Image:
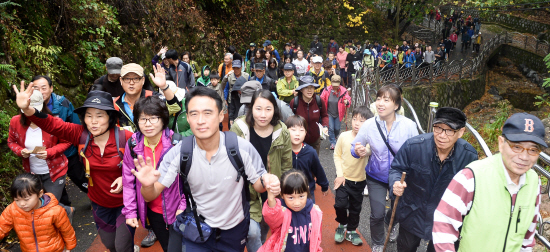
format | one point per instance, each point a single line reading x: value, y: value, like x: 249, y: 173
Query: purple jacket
x: 133, y: 200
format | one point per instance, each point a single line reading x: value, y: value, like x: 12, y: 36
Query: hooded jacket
x: 57, y: 162
x: 342, y: 96
x: 308, y: 162
x: 285, y: 90
x: 279, y: 155
x: 44, y: 229
x: 278, y: 218
x: 63, y: 108
x: 204, y: 80
x: 320, y: 79
x: 134, y: 204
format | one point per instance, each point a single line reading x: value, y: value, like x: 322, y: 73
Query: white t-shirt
x: 301, y: 65
x: 33, y: 139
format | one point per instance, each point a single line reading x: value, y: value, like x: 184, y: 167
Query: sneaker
x: 394, y: 232
x: 71, y: 214
x: 354, y: 238
x: 149, y: 240
x: 377, y: 248
x: 387, y: 195
x: 340, y: 233
x: 136, y: 248
x: 366, y: 191
x: 332, y: 146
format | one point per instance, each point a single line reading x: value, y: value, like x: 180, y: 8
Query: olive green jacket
x: 279, y: 156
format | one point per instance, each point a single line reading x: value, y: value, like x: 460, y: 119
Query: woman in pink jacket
x: 336, y: 99
x: 295, y: 222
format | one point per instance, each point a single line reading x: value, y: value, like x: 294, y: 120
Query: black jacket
x: 427, y: 179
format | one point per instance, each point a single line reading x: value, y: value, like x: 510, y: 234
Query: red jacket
x: 104, y: 169
x: 57, y: 162
x: 44, y: 229
x: 278, y: 218
x: 342, y: 94
x: 311, y: 113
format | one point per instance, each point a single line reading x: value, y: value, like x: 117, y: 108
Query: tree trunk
x: 397, y: 19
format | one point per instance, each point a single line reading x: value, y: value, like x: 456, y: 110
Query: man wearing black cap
x: 229, y: 79
x: 110, y: 82
x: 286, y: 87
x: 431, y: 161
x: 235, y: 96
x: 288, y: 53
x: 259, y: 75
x: 250, y: 53
x: 504, y: 213
x: 316, y: 46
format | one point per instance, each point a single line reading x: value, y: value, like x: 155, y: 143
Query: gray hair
x: 229, y: 54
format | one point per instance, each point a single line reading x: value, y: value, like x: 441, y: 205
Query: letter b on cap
x: 529, y: 125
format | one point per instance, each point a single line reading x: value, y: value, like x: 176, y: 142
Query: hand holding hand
x: 133, y: 222
x: 25, y: 153
x: 42, y: 155
x: 118, y: 183
x: 146, y: 173
x: 398, y: 188
x: 272, y: 184
x: 360, y: 150
x: 339, y: 181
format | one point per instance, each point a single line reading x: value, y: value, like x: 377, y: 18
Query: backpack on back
x: 120, y: 139
x: 317, y: 99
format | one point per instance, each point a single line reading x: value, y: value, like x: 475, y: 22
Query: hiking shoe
x: 332, y: 146
x: 149, y: 240
x: 354, y: 238
x: 340, y: 234
x: 136, y: 248
x: 377, y: 248
x: 71, y: 214
x: 394, y: 232
x: 387, y: 195
x: 366, y: 191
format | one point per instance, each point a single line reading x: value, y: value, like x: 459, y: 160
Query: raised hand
x: 272, y: 184
x: 23, y: 96
x: 160, y: 76
x: 146, y: 173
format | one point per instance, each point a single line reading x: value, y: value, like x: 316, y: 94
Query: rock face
x: 457, y: 94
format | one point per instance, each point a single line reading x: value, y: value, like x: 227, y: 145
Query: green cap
x: 434, y: 104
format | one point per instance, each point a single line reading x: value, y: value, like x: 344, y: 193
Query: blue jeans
x: 333, y: 128
x: 254, y: 241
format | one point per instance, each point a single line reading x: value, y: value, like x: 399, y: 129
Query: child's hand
x: 133, y: 222
x: 272, y: 184
x: 339, y: 181
x: 325, y: 193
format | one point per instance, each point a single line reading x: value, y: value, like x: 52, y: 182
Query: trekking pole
x: 393, y: 214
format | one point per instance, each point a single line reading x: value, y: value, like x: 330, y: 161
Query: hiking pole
x: 393, y: 213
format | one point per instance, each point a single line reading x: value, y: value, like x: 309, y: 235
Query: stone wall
x: 456, y: 94
x: 520, y: 56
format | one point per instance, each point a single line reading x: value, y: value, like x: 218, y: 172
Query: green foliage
x: 547, y: 80
x: 490, y: 132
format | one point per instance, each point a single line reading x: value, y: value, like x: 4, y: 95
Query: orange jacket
x: 46, y: 228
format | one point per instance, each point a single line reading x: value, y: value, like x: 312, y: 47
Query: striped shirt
x: 457, y: 202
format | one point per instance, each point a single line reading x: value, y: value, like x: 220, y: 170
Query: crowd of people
x: 160, y: 158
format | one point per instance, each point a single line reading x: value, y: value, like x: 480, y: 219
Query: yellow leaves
x: 357, y: 20
x: 346, y: 4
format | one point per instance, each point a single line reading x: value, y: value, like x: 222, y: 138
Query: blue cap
x: 367, y: 51
x: 236, y: 63
x: 267, y: 42
x: 523, y: 127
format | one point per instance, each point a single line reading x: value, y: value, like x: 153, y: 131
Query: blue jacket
x: 308, y: 162
x: 379, y: 161
x: 64, y: 109
x: 409, y: 59
x: 427, y: 179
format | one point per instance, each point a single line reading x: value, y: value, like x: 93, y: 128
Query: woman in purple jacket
x: 152, y: 141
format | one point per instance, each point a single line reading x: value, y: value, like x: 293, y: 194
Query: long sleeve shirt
x: 456, y: 203
x: 346, y: 165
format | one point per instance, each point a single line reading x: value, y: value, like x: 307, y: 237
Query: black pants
x: 476, y: 47
x: 160, y: 228
x: 349, y: 197
x: 408, y: 242
x: 77, y: 174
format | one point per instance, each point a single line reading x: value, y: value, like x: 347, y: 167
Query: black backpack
x: 317, y: 99
x: 186, y: 154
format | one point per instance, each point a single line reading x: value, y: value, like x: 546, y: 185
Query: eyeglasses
x: 448, y: 132
x: 128, y: 80
x: 152, y: 120
x: 517, y: 148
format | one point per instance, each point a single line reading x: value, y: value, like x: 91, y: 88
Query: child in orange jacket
x: 38, y: 220
x: 295, y: 222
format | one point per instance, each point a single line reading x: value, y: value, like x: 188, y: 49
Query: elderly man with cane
x: 431, y: 161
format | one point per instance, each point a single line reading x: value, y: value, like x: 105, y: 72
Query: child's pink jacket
x: 278, y: 219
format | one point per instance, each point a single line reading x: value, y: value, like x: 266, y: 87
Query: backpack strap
x: 82, y: 146
x: 186, y: 159
x: 232, y: 147
x: 295, y: 107
x: 320, y: 105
